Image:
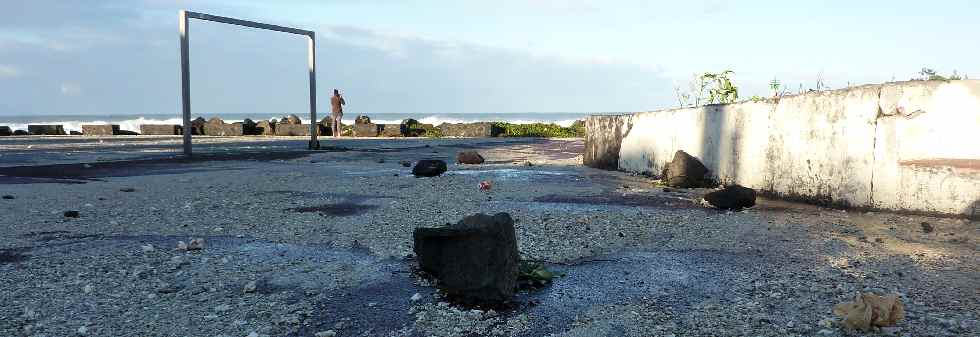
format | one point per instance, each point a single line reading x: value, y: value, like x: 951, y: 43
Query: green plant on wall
x: 724, y: 91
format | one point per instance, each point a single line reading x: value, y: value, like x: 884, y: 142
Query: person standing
x: 337, y: 112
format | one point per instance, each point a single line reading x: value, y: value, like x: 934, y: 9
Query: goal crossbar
x: 185, y: 92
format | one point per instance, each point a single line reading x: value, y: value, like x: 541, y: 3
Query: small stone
x: 328, y: 333
x: 8, y: 197
x: 372, y: 304
x: 82, y: 330
x: 71, y: 214
x: 416, y: 297
x: 148, y: 248
x: 250, y: 287
x: 127, y: 189
x: 87, y: 289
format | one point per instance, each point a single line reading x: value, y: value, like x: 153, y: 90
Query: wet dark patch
x: 13, y: 255
x: 382, y: 307
x: 85, y: 172
x: 337, y: 209
x: 657, y: 201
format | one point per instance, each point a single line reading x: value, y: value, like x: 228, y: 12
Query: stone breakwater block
x: 292, y: 130
x: 100, y: 130
x: 215, y: 129
x: 300, y: 130
x: 429, y: 168
x: 45, y: 130
x: 365, y: 130
x: 391, y: 130
x: 5, y: 131
x: 684, y: 171
x: 265, y: 128
x: 161, y: 129
x: 472, y: 130
x: 733, y: 197
x: 476, y: 260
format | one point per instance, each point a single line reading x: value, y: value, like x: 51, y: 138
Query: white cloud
x: 71, y: 89
x: 8, y: 71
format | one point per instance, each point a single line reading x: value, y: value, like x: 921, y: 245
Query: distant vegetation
x: 929, y: 74
x: 541, y: 130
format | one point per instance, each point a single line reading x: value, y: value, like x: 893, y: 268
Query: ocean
x: 132, y: 122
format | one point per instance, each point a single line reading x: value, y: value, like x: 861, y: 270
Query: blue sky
x: 463, y: 56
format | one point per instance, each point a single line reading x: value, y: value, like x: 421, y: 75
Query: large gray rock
x: 469, y: 157
x: 684, y: 171
x: 429, y: 168
x: 46, y: 130
x: 475, y: 260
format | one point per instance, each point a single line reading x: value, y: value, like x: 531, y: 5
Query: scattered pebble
x: 71, y: 214
x: 250, y: 287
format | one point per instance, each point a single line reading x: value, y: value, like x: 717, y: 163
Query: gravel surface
x: 300, y: 243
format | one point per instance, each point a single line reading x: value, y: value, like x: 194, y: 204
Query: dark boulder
x: 249, y: 127
x: 733, y: 197
x: 429, y: 168
x: 684, y: 171
x: 216, y: 120
x: 475, y: 260
x: 405, y: 163
x: 361, y: 119
x: 197, y: 126
x: 46, y: 130
x: 21, y: 133
x: 291, y: 119
x: 8, y: 197
x: 75, y: 133
x: 5, y: 131
x: 469, y: 157
x: 71, y: 214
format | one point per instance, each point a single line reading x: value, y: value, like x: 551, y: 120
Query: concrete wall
x: 910, y: 146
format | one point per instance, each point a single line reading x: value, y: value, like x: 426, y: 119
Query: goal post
x: 185, y: 72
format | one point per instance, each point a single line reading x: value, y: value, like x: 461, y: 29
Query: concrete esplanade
x: 907, y: 146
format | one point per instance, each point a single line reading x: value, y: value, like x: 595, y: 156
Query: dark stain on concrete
x: 636, y: 200
x: 80, y: 173
x: 13, y: 255
x: 340, y: 209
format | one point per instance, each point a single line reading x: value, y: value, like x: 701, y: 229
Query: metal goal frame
x: 185, y: 72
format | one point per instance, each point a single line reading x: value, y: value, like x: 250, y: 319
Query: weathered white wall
x: 911, y: 146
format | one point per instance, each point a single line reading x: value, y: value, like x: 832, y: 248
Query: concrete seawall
x: 908, y: 146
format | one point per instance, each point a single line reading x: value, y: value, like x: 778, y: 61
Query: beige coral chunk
x: 869, y: 310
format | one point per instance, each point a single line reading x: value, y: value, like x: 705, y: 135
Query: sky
x: 388, y: 56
